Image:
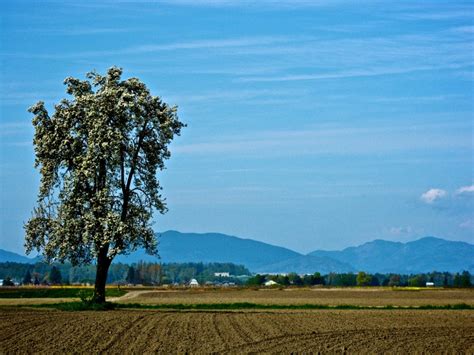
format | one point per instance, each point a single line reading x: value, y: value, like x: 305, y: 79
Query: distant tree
x: 466, y: 279
x: 131, y: 279
x: 295, y: 279
x: 282, y: 280
x: 363, y: 279
x: 317, y: 279
x: 462, y: 280
x: 55, y: 277
x: 98, y: 156
x: 256, y: 280
x: 417, y: 281
x: 446, y: 277
x: 394, y: 280
x: 307, y: 280
x: 27, y: 278
x: 374, y: 280
x: 8, y: 281
x: 342, y: 279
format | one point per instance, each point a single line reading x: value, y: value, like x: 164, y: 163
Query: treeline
x: 138, y: 273
x: 182, y: 273
x: 439, y: 279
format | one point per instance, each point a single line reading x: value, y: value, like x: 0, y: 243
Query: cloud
x: 326, y: 139
x: 80, y: 31
x: 15, y: 128
x: 251, y: 3
x: 468, y: 224
x: 437, y: 16
x: 465, y: 190
x: 432, y: 195
x: 197, y: 44
x: 355, y: 73
x: 463, y: 29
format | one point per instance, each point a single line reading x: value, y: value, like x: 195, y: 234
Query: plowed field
x: 324, y: 296
x: 396, y: 331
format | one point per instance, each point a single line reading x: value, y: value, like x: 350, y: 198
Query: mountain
x: 212, y: 247
x: 422, y: 255
x: 8, y: 256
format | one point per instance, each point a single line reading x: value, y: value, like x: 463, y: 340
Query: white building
x: 430, y: 284
x: 271, y: 283
x: 193, y: 283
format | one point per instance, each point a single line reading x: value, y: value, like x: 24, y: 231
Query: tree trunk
x: 103, y: 263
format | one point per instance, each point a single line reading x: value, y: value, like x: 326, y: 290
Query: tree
x: 295, y: 279
x: 55, y: 277
x: 466, y: 279
x: 27, y: 277
x: 394, y: 280
x: 131, y: 276
x: 317, y: 279
x: 363, y: 279
x: 417, y: 281
x: 462, y: 280
x: 8, y: 282
x: 98, y: 156
x: 256, y: 280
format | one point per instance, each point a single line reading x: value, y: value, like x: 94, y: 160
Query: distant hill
x: 8, y: 256
x: 422, y: 255
x: 212, y: 247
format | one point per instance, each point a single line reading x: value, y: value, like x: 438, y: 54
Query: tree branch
x: 126, y: 193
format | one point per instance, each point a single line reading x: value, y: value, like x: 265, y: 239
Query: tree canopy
x: 98, y: 155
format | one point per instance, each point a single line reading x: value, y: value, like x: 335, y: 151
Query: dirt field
x: 397, y: 331
x: 330, y: 296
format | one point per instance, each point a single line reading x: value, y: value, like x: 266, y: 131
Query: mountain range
x: 422, y: 255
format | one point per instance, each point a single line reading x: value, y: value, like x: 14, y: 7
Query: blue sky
x: 311, y: 124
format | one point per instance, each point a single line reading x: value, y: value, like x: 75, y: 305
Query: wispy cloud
x: 354, y: 73
x: 463, y: 29
x: 204, y: 44
x: 80, y: 31
x: 230, y: 96
x: 26, y: 98
x: 437, y: 15
x: 215, y: 43
x: 251, y: 3
x: 15, y: 128
x: 465, y: 190
x: 328, y: 140
x: 467, y: 224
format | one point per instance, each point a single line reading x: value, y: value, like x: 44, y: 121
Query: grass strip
x: 66, y: 292
x: 81, y: 306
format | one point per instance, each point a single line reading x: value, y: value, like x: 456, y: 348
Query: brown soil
x: 335, y: 296
x: 132, y: 331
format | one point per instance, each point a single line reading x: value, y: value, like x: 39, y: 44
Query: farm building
x: 193, y: 283
x: 271, y: 283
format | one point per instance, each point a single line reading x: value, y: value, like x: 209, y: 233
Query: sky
x: 310, y: 124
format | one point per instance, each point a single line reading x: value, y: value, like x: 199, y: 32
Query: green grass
x: 81, y: 306
x: 67, y: 292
